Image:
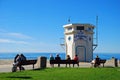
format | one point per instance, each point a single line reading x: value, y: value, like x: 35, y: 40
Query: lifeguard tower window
x: 70, y: 28
x: 80, y: 27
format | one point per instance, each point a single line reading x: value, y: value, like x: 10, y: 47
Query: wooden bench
x: 25, y: 62
x: 52, y: 62
x: 102, y: 61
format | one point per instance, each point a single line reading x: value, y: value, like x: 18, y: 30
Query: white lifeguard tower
x: 79, y: 40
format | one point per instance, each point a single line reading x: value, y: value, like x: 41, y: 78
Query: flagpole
x: 97, y: 30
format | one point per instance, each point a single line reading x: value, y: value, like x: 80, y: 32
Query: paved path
x: 7, y: 68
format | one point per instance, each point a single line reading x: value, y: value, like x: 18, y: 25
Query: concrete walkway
x: 8, y: 67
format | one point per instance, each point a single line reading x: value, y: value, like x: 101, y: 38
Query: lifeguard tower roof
x: 78, y: 24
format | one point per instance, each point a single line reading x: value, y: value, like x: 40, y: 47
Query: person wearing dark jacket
x: 58, y: 58
x: 97, y: 61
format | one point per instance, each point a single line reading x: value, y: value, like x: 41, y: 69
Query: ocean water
x: 30, y: 55
x: 62, y: 55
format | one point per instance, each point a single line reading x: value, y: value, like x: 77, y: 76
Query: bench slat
x: 64, y: 62
x: 28, y: 62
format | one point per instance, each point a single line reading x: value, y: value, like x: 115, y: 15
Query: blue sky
x: 37, y: 25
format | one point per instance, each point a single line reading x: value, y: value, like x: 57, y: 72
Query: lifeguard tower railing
x: 62, y: 43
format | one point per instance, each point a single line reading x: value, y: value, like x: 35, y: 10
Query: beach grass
x: 64, y: 74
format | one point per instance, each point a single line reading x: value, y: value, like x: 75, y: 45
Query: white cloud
x: 12, y: 37
x: 18, y: 35
x: 12, y: 41
x: 4, y: 33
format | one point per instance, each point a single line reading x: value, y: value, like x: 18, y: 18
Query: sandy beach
x: 6, y: 65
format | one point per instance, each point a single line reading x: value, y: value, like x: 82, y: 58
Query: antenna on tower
x: 69, y: 20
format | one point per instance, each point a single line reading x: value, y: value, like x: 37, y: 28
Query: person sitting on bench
x: 76, y: 59
x: 51, y: 58
x: 18, y: 59
x: 68, y: 58
x: 58, y: 59
x: 97, y: 61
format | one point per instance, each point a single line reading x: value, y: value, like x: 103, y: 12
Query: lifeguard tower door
x: 81, y: 52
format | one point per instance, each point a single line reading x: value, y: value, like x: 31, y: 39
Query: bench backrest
x: 63, y: 62
x: 28, y: 62
x: 102, y: 61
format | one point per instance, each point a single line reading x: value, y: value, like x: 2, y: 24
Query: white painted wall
x: 83, y: 46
